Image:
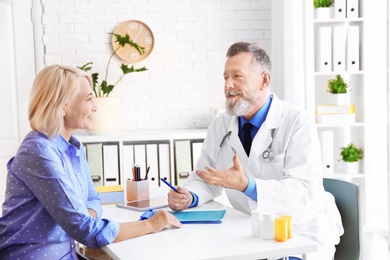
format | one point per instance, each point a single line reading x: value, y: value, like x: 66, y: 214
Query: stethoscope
x: 226, y: 136
x: 268, y: 155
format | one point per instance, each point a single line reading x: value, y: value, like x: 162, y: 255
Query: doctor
x: 281, y: 170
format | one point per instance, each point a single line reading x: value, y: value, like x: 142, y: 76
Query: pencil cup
x: 137, y: 190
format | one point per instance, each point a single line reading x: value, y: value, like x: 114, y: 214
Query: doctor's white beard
x: 242, y: 106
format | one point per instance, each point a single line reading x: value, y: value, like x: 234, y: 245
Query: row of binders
x: 103, y: 161
x: 337, y: 48
x: 346, y: 9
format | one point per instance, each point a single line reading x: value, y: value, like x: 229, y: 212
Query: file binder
x: 128, y: 161
x: 324, y: 53
x: 339, y: 47
x: 353, y: 63
x: 111, y: 164
x: 95, y: 162
x: 326, y: 140
x: 182, y: 160
x: 152, y: 160
x: 352, y: 9
x: 164, y: 161
x: 340, y: 9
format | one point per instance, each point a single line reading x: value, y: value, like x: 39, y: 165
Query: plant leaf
x: 106, y: 88
x: 123, y: 40
x: 86, y: 66
x: 126, y: 70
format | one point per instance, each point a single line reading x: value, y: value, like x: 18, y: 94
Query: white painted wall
x: 184, y: 83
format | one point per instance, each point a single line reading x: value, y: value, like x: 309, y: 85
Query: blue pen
x: 170, y: 186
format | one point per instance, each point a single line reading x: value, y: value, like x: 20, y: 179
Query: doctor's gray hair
x: 260, y: 56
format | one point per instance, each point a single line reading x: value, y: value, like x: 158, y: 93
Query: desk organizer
x: 137, y: 190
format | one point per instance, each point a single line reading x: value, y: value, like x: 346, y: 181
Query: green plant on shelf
x: 323, y: 3
x: 337, y: 85
x: 351, y: 153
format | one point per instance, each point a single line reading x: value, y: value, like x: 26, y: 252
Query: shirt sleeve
x: 194, y: 201
x: 66, y: 193
x: 251, y: 190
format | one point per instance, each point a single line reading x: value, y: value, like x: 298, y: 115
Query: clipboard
x: 200, y: 216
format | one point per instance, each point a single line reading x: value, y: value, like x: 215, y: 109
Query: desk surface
x: 231, y: 239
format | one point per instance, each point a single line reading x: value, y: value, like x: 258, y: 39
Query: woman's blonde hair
x: 53, y: 88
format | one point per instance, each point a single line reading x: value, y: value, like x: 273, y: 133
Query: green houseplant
x: 351, y: 153
x: 323, y: 3
x: 103, y: 89
x: 105, y: 119
x: 337, y: 85
x: 350, y: 156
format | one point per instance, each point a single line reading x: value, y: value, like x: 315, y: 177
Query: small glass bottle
x: 256, y: 223
x: 268, y: 226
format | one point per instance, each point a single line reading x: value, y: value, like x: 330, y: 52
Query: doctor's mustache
x: 232, y: 93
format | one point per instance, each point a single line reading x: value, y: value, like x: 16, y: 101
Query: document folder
x: 200, y: 216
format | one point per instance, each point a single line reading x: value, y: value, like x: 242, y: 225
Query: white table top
x: 231, y: 239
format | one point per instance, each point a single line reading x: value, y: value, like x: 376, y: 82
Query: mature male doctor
x: 281, y: 172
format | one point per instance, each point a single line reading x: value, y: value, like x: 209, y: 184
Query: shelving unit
x: 369, y: 92
x: 168, y: 153
x: 333, y: 136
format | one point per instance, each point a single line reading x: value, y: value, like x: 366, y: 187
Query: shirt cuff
x: 251, y: 190
x: 195, y: 200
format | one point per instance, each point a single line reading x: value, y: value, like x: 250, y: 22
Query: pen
x: 147, y: 171
x: 170, y: 186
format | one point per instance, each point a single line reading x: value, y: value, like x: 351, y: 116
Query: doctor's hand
x: 179, y: 200
x: 232, y: 178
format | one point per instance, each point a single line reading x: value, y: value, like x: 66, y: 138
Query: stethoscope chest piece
x: 268, y: 155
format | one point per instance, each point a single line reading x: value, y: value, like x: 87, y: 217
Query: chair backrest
x: 346, y: 195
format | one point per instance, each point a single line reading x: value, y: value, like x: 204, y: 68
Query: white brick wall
x: 184, y: 83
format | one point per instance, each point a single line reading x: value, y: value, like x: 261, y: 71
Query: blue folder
x: 193, y: 217
x: 200, y: 216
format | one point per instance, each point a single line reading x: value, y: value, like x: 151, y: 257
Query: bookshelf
x: 368, y: 94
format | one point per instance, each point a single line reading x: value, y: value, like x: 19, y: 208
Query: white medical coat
x: 291, y: 183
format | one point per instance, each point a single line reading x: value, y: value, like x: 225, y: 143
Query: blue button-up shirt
x: 48, y: 194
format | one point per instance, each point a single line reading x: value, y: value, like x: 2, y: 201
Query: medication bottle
x: 281, y: 229
x: 268, y: 226
x: 256, y: 223
x: 289, y: 225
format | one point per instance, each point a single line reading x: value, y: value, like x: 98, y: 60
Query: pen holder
x: 137, y: 190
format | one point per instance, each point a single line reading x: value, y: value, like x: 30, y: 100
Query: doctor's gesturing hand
x: 232, y: 178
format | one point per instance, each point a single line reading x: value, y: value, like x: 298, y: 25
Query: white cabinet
x: 167, y: 154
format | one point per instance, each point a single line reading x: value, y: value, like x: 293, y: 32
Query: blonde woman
x: 50, y: 200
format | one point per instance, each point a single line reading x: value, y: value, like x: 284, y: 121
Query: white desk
x: 229, y: 240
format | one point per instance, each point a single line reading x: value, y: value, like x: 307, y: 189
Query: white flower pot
x: 323, y: 13
x: 105, y: 119
x: 351, y: 167
x: 340, y: 99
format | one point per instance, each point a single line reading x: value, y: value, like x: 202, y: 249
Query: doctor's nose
x: 229, y: 84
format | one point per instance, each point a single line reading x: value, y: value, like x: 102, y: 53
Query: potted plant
x: 338, y: 87
x: 105, y: 118
x: 351, y: 155
x: 323, y: 8
x: 103, y: 89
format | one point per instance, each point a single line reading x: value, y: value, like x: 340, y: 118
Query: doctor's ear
x: 265, y: 80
